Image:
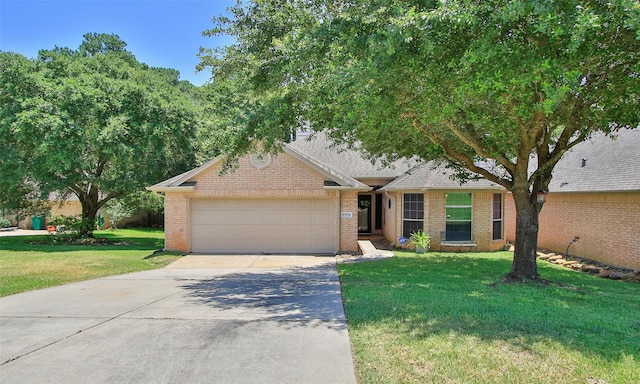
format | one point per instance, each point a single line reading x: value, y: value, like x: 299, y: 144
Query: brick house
x: 594, y: 196
x: 313, y: 198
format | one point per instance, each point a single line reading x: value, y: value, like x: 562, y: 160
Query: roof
x: 610, y: 164
x: 338, y: 180
x: 429, y: 175
x: 348, y: 161
x: 180, y: 182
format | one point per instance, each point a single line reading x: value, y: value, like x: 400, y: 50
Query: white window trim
x: 446, y: 219
x: 501, y: 217
x: 414, y: 220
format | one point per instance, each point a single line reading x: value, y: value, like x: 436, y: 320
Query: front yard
x: 25, y: 265
x: 437, y: 318
x: 434, y: 318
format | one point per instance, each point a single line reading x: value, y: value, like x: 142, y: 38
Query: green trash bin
x: 37, y: 222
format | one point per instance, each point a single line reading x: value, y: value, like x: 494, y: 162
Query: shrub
x: 4, y: 222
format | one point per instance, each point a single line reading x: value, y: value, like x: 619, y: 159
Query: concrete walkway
x: 203, y: 319
x: 22, y: 232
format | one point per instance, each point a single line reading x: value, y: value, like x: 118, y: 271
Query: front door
x: 364, y: 214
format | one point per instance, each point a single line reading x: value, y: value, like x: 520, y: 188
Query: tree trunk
x: 88, y: 223
x: 526, y: 246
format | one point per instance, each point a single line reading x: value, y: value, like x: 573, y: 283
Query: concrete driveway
x: 203, y: 319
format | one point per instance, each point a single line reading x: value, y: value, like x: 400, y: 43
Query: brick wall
x: 284, y: 177
x: 435, y: 218
x: 349, y: 226
x: 608, y: 225
x: 176, y: 221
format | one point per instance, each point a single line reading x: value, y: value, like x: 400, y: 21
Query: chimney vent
x: 584, y: 163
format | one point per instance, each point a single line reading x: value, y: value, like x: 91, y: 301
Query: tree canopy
x: 497, y: 89
x: 93, y: 122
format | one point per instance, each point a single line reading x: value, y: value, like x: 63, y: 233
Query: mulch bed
x: 69, y: 240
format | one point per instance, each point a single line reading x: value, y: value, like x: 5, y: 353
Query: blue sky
x: 160, y: 33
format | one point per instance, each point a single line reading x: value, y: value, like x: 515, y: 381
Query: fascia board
x: 341, y: 188
x: 195, y: 172
x: 170, y: 189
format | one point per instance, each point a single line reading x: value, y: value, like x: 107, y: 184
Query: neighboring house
x: 594, y: 196
x: 314, y: 198
x: 70, y: 206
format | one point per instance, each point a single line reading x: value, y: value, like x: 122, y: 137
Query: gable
x: 283, y: 172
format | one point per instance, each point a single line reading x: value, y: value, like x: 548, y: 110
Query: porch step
x: 369, y: 250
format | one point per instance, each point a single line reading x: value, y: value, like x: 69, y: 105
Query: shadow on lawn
x: 444, y: 293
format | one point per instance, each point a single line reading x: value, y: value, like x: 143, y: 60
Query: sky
x: 160, y: 33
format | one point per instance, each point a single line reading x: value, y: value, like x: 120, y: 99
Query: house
x: 594, y: 199
x: 69, y: 205
x: 317, y: 199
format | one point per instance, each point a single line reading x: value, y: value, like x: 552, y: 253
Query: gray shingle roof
x: 610, y: 165
x: 347, y: 161
x: 431, y: 176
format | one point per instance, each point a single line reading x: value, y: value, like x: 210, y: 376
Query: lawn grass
x: 25, y: 266
x: 437, y: 319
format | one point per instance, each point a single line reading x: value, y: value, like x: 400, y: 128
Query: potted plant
x: 420, y: 240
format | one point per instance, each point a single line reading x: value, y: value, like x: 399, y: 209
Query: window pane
x: 459, y: 213
x: 413, y: 206
x: 409, y: 227
x: 497, y: 206
x: 458, y: 231
x: 456, y: 198
x: 413, y: 213
x: 497, y: 230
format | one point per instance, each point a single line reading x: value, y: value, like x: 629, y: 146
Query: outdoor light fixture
x: 541, y: 196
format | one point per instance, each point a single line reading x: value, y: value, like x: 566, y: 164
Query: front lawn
x: 25, y: 266
x: 437, y: 318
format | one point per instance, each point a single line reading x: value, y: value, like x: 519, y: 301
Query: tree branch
x: 477, y: 147
x: 458, y: 157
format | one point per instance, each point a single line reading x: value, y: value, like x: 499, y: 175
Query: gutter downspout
x: 339, y: 205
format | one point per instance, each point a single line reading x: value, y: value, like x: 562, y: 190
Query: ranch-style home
x: 315, y: 199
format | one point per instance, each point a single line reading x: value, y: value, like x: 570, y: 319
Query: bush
x: 72, y: 225
x: 4, y: 222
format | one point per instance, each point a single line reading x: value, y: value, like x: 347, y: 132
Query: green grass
x: 25, y: 266
x: 437, y: 319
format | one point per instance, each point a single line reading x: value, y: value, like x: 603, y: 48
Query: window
x: 412, y: 213
x: 458, y: 216
x: 497, y: 217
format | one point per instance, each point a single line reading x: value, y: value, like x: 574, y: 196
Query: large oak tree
x: 92, y: 122
x: 499, y: 89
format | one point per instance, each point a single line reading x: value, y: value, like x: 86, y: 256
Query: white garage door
x: 264, y: 226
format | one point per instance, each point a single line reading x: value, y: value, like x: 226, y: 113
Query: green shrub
x: 4, y: 222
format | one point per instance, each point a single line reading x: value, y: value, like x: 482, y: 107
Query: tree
x: 94, y: 122
x: 494, y: 89
x: 17, y: 194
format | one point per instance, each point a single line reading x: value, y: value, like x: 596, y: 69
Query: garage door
x: 264, y: 226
